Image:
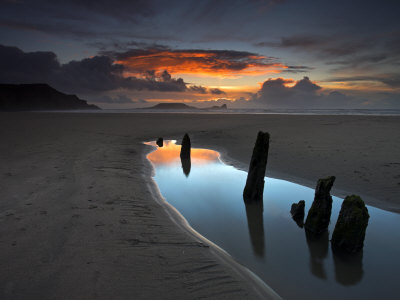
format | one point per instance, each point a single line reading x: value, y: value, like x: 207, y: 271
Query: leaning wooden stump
x: 254, y: 188
x: 349, y: 233
x: 319, y: 215
x: 185, y: 148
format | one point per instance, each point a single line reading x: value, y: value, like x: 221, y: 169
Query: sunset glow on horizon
x: 248, y: 54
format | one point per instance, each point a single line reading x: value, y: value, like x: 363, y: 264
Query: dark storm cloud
x: 98, y: 73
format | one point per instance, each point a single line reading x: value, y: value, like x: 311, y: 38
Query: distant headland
x: 31, y: 97
x: 179, y: 106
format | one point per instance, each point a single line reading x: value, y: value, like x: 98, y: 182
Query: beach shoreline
x: 79, y: 206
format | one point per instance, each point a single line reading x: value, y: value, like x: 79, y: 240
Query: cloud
x: 391, y: 79
x: 117, y: 8
x: 198, y: 89
x: 297, y: 69
x: 217, y: 63
x: 332, y: 46
x: 216, y: 91
x: 202, y: 90
x: 280, y: 93
x: 277, y: 93
x: 98, y: 73
x: 345, y: 50
x: 126, y: 9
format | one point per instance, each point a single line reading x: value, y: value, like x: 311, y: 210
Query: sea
x: 355, y: 112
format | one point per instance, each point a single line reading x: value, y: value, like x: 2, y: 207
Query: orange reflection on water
x: 169, y: 154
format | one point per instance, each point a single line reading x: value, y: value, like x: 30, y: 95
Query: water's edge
x: 337, y: 192
x: 259, y: 286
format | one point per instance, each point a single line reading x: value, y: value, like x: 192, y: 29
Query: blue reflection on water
x: 269, y: 242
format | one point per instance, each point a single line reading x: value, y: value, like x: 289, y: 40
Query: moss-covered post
x: 349, y: 233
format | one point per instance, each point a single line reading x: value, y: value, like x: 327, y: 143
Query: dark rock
x: 29, y: 97
x: 297, y: 212
x: 319, y: 215
x: 185, y: 148
x: 254, y: 188
x: 160, y: 142
x: 349, y: 233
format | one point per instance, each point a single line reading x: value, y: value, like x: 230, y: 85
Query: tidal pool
x: 265, y: 239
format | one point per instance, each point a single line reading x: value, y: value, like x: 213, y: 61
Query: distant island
x: 171, y: 106
x: 178, y: 106
x: 30, y: 97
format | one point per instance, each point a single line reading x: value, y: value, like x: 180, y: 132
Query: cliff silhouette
x: 30, y: 97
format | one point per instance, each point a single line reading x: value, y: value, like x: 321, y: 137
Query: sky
x: 246, y: 54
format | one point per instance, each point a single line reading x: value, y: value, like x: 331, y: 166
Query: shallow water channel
x: 264, y: 238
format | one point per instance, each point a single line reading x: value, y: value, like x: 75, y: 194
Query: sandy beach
x: 81, y: 217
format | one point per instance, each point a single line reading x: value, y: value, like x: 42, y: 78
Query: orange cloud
x: 214, y: 63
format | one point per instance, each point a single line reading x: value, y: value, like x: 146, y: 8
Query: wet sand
x: 81, y: 217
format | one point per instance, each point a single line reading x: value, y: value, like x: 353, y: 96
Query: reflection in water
x: 186, y: 165
x: 211, y: 201
x: 348, y: 268
x: 318, y: 246
x: 299, y: 221
x: 170, y: 154
x: 255, y: 222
